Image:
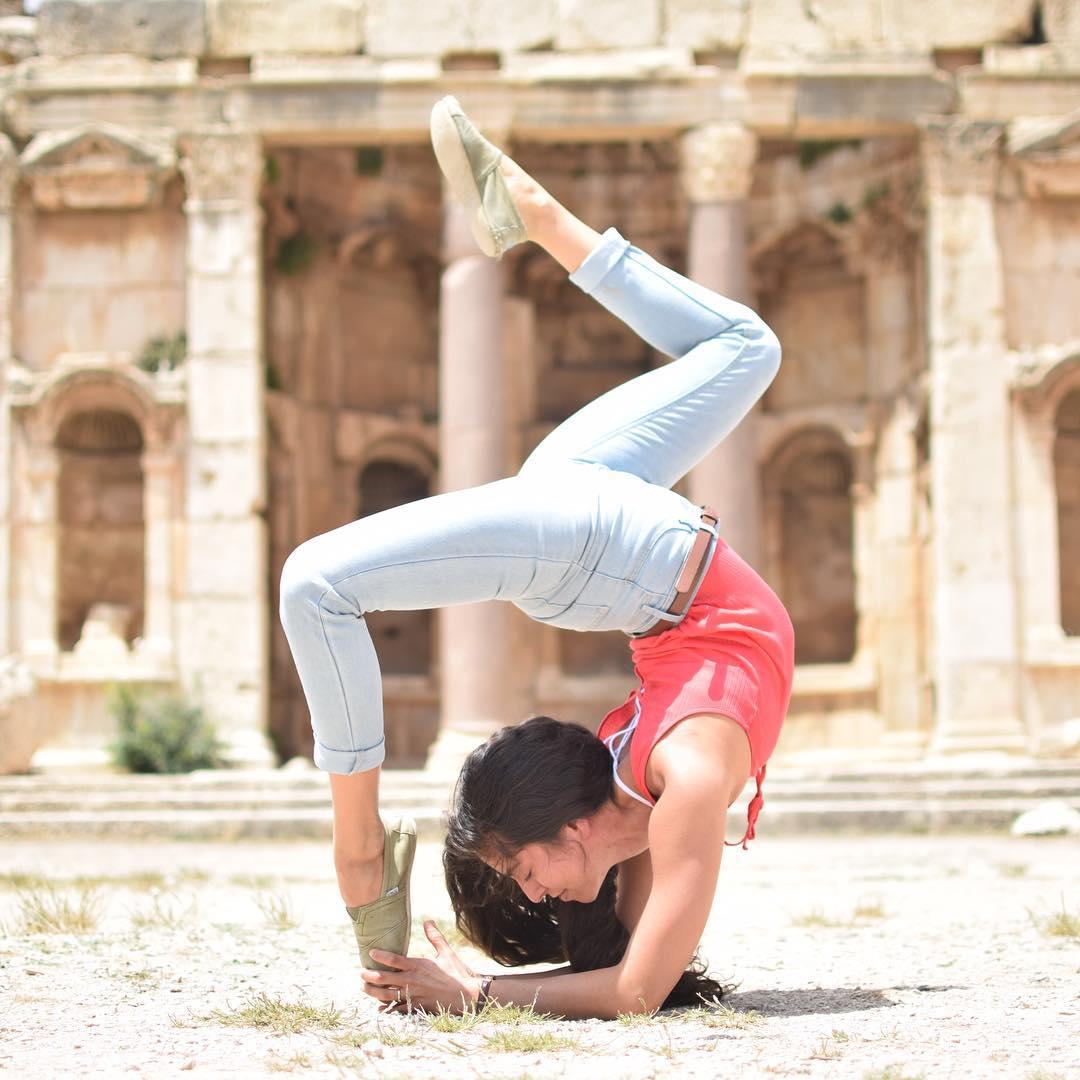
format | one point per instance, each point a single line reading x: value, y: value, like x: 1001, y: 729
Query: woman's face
x: 561, y: 869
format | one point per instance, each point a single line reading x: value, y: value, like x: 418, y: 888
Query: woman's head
x: 524, y: 805
x: 521, y: 834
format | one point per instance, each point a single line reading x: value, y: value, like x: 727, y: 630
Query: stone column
x: 223, y: 614
x: 159, y: 468
x: 473, y: 438
x: 37, y: 555
x: 717, y: 167
x: 9, y: 171
x: 976, y: 651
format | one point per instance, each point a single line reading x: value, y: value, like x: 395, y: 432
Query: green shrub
x: 163, y: 353
x: 162, y: 733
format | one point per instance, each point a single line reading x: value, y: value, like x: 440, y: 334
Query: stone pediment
x: 1047, y: 153
x: 98, y: 167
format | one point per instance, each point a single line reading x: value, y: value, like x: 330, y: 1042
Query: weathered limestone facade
x: 237, y: 310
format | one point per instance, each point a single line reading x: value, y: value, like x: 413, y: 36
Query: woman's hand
x: 442, y: 982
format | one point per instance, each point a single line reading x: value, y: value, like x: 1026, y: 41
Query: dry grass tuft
x: 284, y: 1017
x: 277, y: 909
x: 512, y: 1041
x: 1012, y: 869
x: 640, y: 1019
x: 869, y: 909
x: 47, y: 910
x: 716, y: 1014
x: 816, y: 917
x: 289, y: 1064
x: 1061, y: 923
x: 167, y: 912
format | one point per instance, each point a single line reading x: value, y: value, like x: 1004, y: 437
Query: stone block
x: 957, y: 24
x: 607, y: 24
x: 224, y: 480
x: 223, y: 315
x: 247, y: 27
x: 225, y: 560
x: 157, y: 28
x: 224, y: 399
x: 497, y: 25
x: 1061, y: 21
x: 706, y: 24
x: 223, y: 243
x: 417, y: 27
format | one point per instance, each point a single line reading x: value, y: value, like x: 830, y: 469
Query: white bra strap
x: 615, y: 743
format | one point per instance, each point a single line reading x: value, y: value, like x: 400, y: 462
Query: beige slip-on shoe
x: 471, y: 167
x: 385, y: 923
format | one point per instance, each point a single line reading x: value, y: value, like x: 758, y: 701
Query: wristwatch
x: 485, y: 987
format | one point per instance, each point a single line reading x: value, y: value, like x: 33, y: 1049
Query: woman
x: 602, y: 851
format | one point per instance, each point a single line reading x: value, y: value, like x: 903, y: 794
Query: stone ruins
x: 236, y: 311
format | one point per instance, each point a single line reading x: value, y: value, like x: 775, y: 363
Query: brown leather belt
x: 688, y: 576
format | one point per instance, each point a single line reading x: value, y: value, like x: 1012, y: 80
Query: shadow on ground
x: 809, y: 1002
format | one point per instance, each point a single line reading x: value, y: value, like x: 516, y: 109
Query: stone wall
x: 397, y: 28
x: 894, y: 186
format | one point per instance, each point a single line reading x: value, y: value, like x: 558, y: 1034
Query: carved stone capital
x: 717, y: 162
x: 222, y: 167
x: 961, y: 156
x: 98, y: 167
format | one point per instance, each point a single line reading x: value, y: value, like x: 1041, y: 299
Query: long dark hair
x: 521, y: 787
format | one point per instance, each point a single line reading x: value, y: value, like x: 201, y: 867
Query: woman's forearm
x: 576, y: 995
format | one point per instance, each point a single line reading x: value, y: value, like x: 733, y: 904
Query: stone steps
x: 279, y: 804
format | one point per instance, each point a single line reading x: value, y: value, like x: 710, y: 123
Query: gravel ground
x: 884, y: 957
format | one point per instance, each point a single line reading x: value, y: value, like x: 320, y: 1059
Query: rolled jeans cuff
x: 600, y: 261
x: 346, y: 762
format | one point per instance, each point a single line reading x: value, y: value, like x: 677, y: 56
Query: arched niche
x: 101, y: 550
x: 1067, y: 490
x: 815, y: 302
x: 810, y: 542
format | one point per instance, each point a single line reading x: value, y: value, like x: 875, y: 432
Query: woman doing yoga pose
x: 599, y: 850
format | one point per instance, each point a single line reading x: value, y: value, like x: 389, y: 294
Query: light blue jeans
x: 586, y: 536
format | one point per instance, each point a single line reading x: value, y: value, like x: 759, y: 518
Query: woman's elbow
x: 641, y: 999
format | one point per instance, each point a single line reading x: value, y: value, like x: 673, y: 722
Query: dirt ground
x: 868, y: 957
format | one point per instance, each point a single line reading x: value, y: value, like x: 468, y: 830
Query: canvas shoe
x: 471, y: 167
x: 385, y: 923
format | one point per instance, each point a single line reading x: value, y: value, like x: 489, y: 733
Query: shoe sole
x: 454, y: 162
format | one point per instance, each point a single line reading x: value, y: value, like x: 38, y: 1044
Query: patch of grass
x: 826, y: 1050
x: 47, y: 910
x: 252, y: 881
x: 143, y: 977
x: 641, y: 1019
x: 193, y: 875
x: 512, y: 1041
x: 1042, y: 1074
x: 28, y: 882
x: 1061, y: 923
x: 285, y: 1017
x: 167, y: 912
x: 1012, y: 869
x: 494, y: 1013
x: 277, y: 910
x: 715, y: 1014
x: 815, y: 917
x: 446, y: 1021
x: 892, y: 1072
x: 869, y: 909
x: 289, y: 1064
